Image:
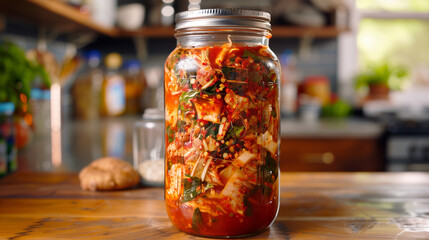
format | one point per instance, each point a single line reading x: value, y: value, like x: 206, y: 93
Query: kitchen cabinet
x: 60, y: 16
x: 333, y: 154
x: 332, y: 145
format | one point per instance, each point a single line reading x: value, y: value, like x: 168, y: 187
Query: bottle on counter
x: 113, y: 90
x: 87, y: 88
x: 8, y: 150
x: 135, y: 82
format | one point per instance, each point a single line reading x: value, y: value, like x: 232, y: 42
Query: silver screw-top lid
x: 220, y: 19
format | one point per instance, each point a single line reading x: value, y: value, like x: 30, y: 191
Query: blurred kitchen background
x: 355, y: 79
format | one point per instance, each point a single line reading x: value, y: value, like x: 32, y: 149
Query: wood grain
x: 313, y: 206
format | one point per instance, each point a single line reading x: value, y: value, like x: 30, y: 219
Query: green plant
x: 17, y: 73
x: 336, y: 109
x: 390, y: 75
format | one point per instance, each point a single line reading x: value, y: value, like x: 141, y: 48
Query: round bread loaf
x: 108, y: 173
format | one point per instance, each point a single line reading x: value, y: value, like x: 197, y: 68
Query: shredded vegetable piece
x: 205, y: 169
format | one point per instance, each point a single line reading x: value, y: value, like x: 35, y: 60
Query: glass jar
x: 222, y: 124
x: 149, y: 148
x: 113, y: 87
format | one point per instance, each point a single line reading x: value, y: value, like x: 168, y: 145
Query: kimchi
x: 222, y: 139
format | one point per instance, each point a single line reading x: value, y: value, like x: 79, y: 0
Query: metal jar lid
x: 222, y: 19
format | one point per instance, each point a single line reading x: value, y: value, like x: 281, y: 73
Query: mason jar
x: 222, y: 124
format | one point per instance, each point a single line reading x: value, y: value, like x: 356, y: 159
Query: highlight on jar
x: 222, y: 137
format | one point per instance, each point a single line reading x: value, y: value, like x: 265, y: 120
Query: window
x: 396, y: 31
x: 393, y: 31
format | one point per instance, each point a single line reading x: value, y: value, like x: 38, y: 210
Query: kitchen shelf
x: 55, y: 14
x: 65, y: 18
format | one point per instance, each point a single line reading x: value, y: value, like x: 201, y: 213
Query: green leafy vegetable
x: 212, y: 130
x: 269, y: 174
x: 193, y: 186
x: 17, y: 74
x: 208, y: 186
x: 190, y: 188
x: 248, y: 53
x: 273, y: 113
x: 269, y: 80
x: 170, y: 134
x: 212, y: 89
x: 270, y: 169
x: 266, y: 190
x: 248, y: 208
x: 235, y: 132
x: 197, y: 220
x: 186, y: 96
x: 229, y: 72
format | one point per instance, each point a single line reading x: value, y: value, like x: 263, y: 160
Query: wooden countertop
x: 313, y: 206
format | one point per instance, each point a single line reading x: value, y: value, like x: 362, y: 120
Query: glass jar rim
x: 222, y: 19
